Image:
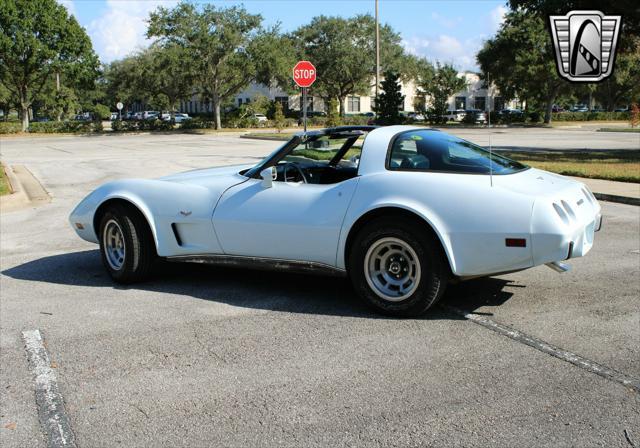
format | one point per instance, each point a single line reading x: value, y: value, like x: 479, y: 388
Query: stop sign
x: 304, y: 73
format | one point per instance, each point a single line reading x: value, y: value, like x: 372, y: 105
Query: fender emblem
x: 185, y: 213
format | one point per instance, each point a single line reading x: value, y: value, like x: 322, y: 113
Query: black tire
x: 139, y: 246
x: 433, y: 265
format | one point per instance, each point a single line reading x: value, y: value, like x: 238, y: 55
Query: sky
x: 449, y: 31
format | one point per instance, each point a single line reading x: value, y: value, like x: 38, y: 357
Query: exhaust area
x: 558, y: 266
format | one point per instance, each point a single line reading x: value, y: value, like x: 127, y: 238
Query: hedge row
x: 590, y: 116
x: 10, y: 127
x: 52, y: 127
x: 143, y: 125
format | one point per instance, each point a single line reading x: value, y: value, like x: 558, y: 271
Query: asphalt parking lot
x: 219, y: 357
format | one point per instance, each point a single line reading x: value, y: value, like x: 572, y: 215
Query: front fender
x: 161, y: 203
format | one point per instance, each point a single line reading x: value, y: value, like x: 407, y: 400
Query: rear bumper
x: 582, y: 241
x: 564, y: 228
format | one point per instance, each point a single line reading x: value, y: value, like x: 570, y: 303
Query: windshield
x: 429, y: 150
x: 340, y: 150
x: 325, y: 149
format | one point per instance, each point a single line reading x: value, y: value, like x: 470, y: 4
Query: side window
x: 436, y: 151
x: 457, y: 151
x: 404, y: 153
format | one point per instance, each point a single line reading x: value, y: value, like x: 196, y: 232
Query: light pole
x: 377, y: 52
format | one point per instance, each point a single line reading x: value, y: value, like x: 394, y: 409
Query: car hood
x: 202, y: 176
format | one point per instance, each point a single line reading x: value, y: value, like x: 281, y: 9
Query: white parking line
x: 576, y: 360
x: 53, y: 417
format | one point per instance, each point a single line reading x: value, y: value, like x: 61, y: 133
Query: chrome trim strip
x: 241, y: 261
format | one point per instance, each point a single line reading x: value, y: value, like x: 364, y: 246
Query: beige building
x: 475, y: 96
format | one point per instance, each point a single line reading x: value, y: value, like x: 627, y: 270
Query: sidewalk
x: 607, y: 190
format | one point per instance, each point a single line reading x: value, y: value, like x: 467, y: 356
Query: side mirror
x: 268, y: 175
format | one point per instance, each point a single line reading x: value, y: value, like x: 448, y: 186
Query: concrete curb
x: 27, y: 190
x: 619, y: 199
x: 18, y: 198
x: 257, y: 137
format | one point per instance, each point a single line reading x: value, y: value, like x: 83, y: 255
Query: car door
x: 290, y: 221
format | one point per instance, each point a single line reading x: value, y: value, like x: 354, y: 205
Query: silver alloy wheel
x: 392, y: 269
x: 114, y: 247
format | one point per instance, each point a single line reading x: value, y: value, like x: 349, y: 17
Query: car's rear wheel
x: 397, y: 267
x: 126, y: 244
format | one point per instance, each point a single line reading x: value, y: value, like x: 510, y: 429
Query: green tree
x: 390, y: 100
x: 37, y: 40
x: 541, y: 81
x: 333, y: 117
x: 623, y: 86
x: 628, y: 9
x: 123, y: 78
x: 437, y: 84
x: 7, y: 101
x: 165, y: 74
x: 228, y: 47
x: 343, y: 52
x: 520, y: 61
x: 64, y: 103
x: 278, y: 117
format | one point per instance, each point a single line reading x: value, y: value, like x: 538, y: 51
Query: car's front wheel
x: 397, y: 267
x: 126, y: 244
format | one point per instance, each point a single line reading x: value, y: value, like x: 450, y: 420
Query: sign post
x: 120, y: 106
x: 304, y: 74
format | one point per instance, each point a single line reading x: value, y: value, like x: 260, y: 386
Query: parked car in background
x: 622, y: 109
x: 455, y: 115
x: 477, y: 115
x: 415, y: 116
x: 178, y: 117
x: 83, y: 116
x: 579, y: 108
x: 114, y: 116
x: 511, y: 114
x: 555, y: 108
x: 150, y: 114
x: 374, y: 211
x: 260, y: 117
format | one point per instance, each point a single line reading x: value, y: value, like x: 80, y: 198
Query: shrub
x: 96, y: 126
x: 241, y: 122
x: 317, y: 121
x: 634, y: 119
x: 102, y: 112
x: 355, y: 120
x: 52, y: 127
x: 534, y: 117
x: 154, y: 125
x: 278, y: 118
x: 589, y: 116
x: 119, y: 125
x: 333, y: 117
x: 469, y: 118
x: 10, y: 128
x: 197, y: 123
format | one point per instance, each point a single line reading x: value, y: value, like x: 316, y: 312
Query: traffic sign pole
x: 119, y: 106
x: 304, y: 108
x: 304, y: 74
